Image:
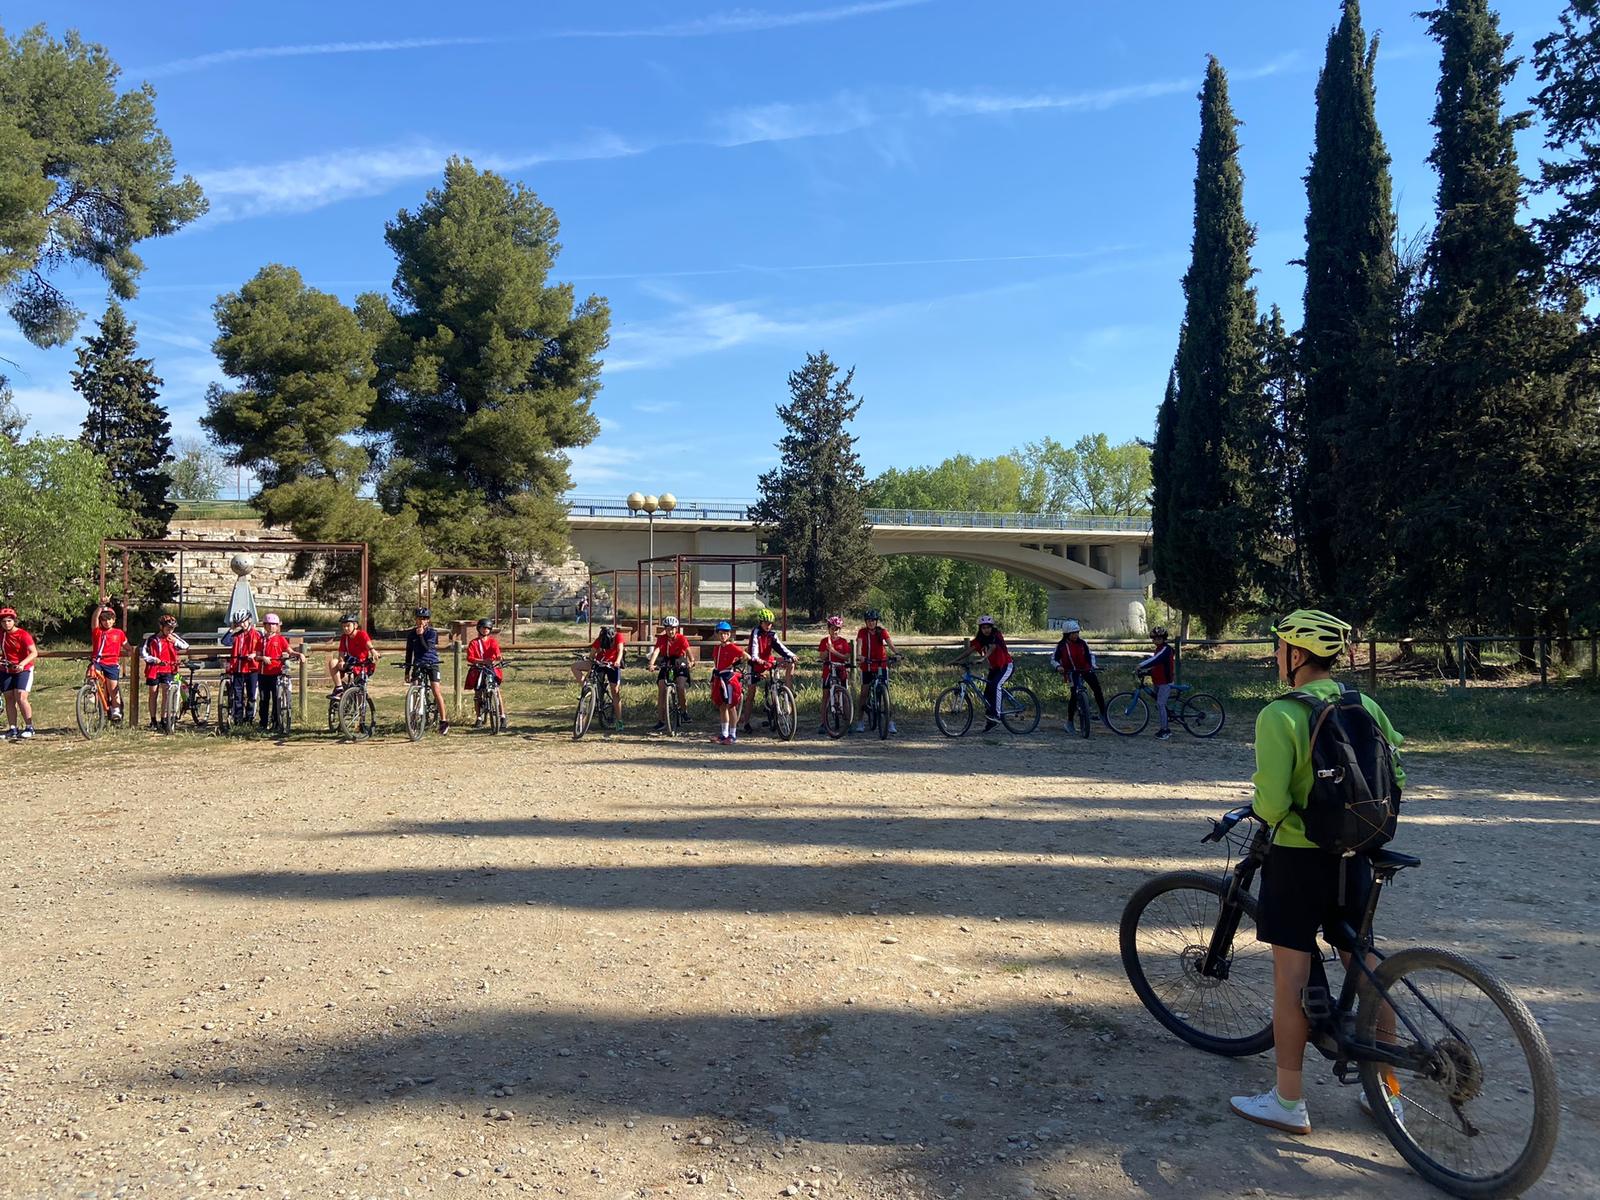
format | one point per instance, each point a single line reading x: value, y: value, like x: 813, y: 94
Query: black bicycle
x: 838, y: 707
x: 776, y: 700
x: 1476, y: 1111
x: 351, y: 710
x: 488, y: 709
x: 678, y: 711
x: 594, y: 701
x: 193, y: 696
x: 1078, y: 719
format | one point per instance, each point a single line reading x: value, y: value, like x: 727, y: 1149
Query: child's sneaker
x: 659, y: 727
x: 1164, y: 735
x: 860, y: 727
x: 892, y: 729
x: 27, y: 732
x: 116, y: 714
x: 618, y: 727
x: 1266, y: 1109
x: 444, y: 728
x: 11, y: 734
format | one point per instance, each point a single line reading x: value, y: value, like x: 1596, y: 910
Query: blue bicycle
x: 1200, y: 713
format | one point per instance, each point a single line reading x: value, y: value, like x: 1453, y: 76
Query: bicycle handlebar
x: 1220, y: 827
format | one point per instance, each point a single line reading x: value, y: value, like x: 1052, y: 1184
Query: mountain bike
x: 776, y: 699
x: 838, y: 707
x: 93, y: 704
x: 172, y: 694
x: 1476, y: 1111
x: 1200, y: 713
x: 954, y: 709
x: 878, y: 715
x: 283, y: 701
x: 1078, y: 719
x: 421, y: 709
x: 357, y: 716
x: 594, y: 699
x: 194, y: 696
x: 486, y: 702
x: 225, y: 702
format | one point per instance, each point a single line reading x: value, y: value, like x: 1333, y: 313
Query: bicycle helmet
x: 1160, y: 631
x: 669, y: 622
x: 8, y: 611
x: 764, y: 615
x: 423, y: 612
x: 1311, y: 629
x: 272, y: 619
x: 724, y: 627
x: 167, y: 619
x: 835, y: 622
x: 1071, y: 627
x: 349, y: 619
x: 108, y: 612
x: 871, y: 615
x: 485, y: 623
x: 985, y: 620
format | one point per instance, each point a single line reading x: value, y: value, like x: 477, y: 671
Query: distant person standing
x: 581, y: 613
x: 18, y: 653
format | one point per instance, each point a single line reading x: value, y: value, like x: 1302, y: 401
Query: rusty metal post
x: 1372, y: 664
x: 1544, y: 661
x: 783, y: 575
x: 302, y: 665
x: 366, y: 566
x: 677, y: 589
x: 455, y: 673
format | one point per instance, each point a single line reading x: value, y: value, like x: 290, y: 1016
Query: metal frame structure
x: 616, y: 575
x: 733, y: 562
x: 426, y: 576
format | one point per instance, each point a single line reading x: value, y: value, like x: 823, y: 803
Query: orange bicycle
x: 94, y: 703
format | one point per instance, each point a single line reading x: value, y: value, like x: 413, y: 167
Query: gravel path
x: 632, y: 967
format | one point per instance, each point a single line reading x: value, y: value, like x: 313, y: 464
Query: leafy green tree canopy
x: 85, y: 175
x: 197, y: 471
x: 1568, y: 64
x: 56, y: 505
x: 1090, y: 476
x: 305, y: 369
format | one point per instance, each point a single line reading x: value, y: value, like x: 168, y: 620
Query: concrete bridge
x: 1092, y: 567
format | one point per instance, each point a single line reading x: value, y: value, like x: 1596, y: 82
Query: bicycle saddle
x: 1392, y: 860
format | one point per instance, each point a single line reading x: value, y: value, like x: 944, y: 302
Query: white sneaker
x: 861, y: 727
x: 892, y: 729
x: 1396, y: 1106
x: 27, y: 732
x: 1266, y: 1109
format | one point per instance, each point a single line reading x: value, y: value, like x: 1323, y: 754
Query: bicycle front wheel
x: 357, y: 715
x: 90, y: 712
x: 1202, y: 715
x: 1480, y: 1111
x: 584, y: 716
x: 1079, y: 717
x: 1166, y: 930
x: 285, y: 717
x: 880, y: 701
x: 416, y: 712
x: 784, y: 711
x: 1019, y: 709
x: 838, y: 710
x: 169, y: 720
x: 952, y: 712
x: 1127, y: 714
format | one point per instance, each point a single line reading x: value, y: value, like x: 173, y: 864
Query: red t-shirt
x: 835, y: 651
x: 483, y: 650
x: 613, y: 656
x: 872, y: 647
x: 672, y: 645
x: 357, y: 645
x: 166, y: 654
x: 995, y: 652
x: 107, y: 646
x: 246, y: 644
x: 1074, y: 655
x: 18, y: 644
x: 726, y: 655
x: 273, y: 648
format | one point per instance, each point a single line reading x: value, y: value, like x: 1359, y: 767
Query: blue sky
x: 984, y: 207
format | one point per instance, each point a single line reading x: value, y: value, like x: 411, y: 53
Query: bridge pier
x: 1115, y: 610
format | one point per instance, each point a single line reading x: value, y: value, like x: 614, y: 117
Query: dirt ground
x: 632, y: 967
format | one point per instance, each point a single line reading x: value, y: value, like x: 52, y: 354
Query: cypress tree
x: 126, y: 423
x: 1484, y: 539
x: 813, y: 503
x: 1283, y: 572
x: 1209, y: 517
x: 1161, y: 477
x: 1568, y: 64
x: 1347, y: 343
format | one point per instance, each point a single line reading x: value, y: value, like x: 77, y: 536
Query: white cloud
x: 201, y: 62
x: 55, y: 411
x: 844, y: 113
x: 697, y: 329
x: 744, y: 20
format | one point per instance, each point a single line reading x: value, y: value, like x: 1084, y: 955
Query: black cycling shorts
x: 671, y: 667
x: 1300, y: 895
x: 425, y: 671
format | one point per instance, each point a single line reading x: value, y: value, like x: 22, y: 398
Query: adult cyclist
x: 766, y: 651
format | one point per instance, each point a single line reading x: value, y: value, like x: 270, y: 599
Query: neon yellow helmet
x: 1312, y: 629
x: 764, y: 614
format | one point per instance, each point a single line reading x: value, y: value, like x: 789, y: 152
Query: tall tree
x: 56, y: 504
x: 486, y: 370
x: 1568, y: 64
x: 1485, y: 534
x: 126, y: 423
x: 813, y: 503
x: 85, y: 175
x: 12, y: 419
x: 1163, y: 477
x: 1090, y: 476
x: 1347, y: 344
x: 1213, y: 522
x: 196, y: 470
x: 1284, y: 574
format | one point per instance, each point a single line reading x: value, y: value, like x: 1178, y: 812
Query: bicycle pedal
x: 1317, y: 1002
x: 1347, y: 1072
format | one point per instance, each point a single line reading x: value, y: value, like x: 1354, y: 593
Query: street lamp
x: 650, y: 505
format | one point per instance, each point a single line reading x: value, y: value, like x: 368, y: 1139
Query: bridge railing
x: 739, y: 510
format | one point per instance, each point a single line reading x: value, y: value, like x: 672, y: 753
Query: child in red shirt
x: 106, y: 642
x: 874, y: 647
x: 670, y: 658
x: 1072, y: 656
x: 244, y: 666
x: 483, y: 658
x: 18, y: 653
x: 355, y: 655
x: 605, y: 652
x: 275, y: 651
x: 160, y: 657
x: 727, y: 685
x: 838, y: 655
x: 990, y: 645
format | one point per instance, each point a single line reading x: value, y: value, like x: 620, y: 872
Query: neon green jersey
x: 1283, y: 760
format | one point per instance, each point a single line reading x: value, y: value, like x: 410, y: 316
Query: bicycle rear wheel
x: 491, y: 708
x: 416, y: 712
x: 952, y: 712
x: 837, y: 710
x: 91, y: 714
x: 1019, y: 709
x: 174, y: 698
x: 784, y: 711
x: 357, y: 715
x: 1079, y: 717
x: 1127, y: 714
x: 1166, y: 929
x: 1481, y: 1114
x: 880, y: 702
x: 584, y: 715
x: 284, y: 717
x: 1202, y: 715
x: 225, y: 705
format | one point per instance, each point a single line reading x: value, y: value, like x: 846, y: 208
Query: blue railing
x: 739, y: 510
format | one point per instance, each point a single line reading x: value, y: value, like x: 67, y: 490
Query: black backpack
x: 1355, y: 797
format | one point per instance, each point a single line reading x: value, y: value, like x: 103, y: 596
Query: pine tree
x: 1347, y: 342
x: 1284, y: 570
x: 126, y: 423
x: 1484, y: 539
x: 813, y: 503
x: 1212, y: 518
x: 1568, y: 64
